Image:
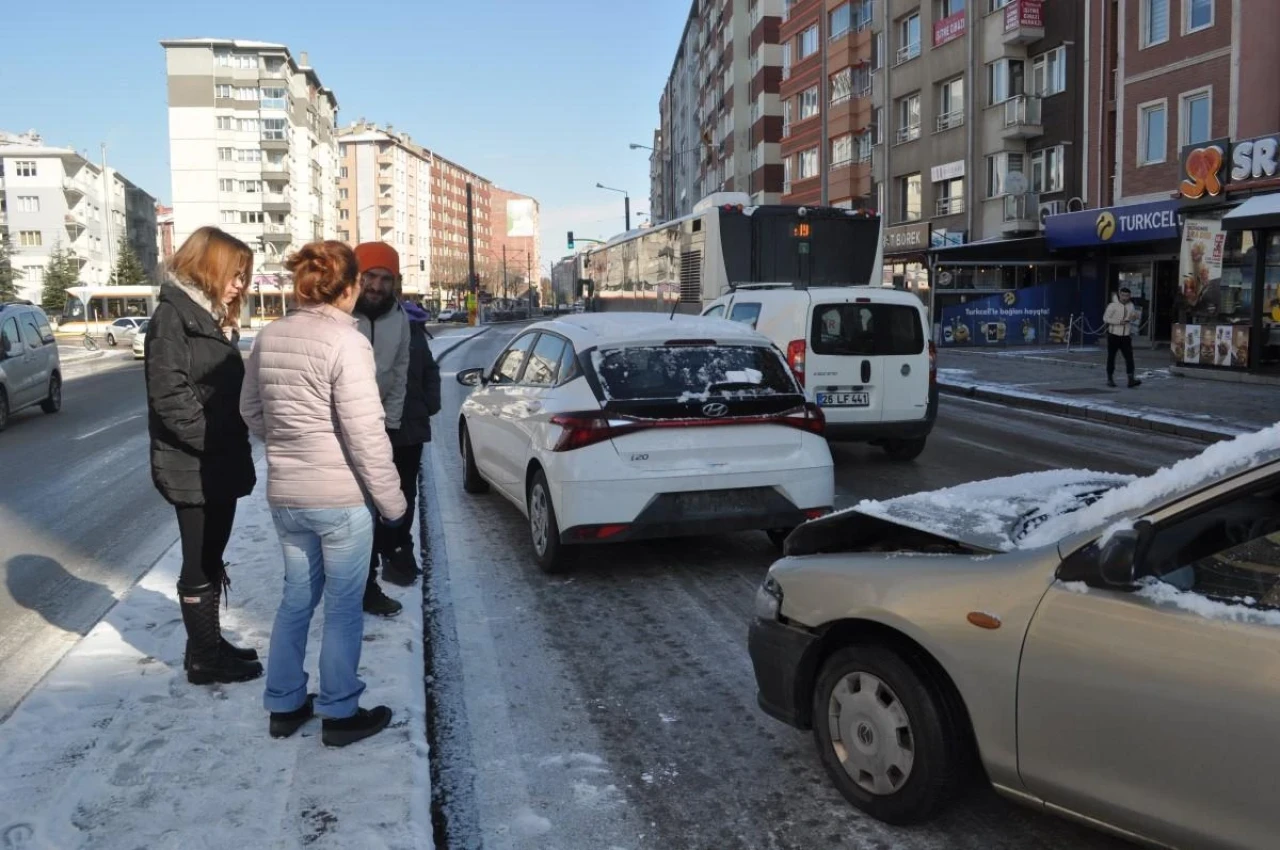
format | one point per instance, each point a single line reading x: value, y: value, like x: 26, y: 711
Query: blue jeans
x: 326, y: 555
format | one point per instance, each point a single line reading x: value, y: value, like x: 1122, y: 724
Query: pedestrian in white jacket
x: 1119, y: 318
x: 384, y: 323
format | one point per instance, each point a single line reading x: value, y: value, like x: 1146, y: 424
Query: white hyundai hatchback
x: 605, y: 428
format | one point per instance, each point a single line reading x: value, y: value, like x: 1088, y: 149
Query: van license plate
x: 844, y: 399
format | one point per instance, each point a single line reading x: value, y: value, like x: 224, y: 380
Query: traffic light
x: 570, y: 240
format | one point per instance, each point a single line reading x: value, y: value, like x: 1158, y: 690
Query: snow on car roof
x: 606, y: 328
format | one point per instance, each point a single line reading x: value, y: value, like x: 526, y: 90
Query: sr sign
x: 1208, y: 169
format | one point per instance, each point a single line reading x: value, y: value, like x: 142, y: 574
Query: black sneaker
x: 1134, y: 382
x: 1111, y: 382
x: 285, y: 723
x: 377, y: 602
x: 401, y: 568
x: 363, y: 724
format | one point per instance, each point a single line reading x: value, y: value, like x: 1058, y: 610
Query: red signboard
x: 1024, y: 13
x: 949, y: 28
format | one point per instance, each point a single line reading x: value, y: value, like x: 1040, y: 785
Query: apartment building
x: 515, y: 241
x: 449, y: 252
x: 384, y: 195
x: 55, y: 197
x: 719, y: 113
x: 252, y: 149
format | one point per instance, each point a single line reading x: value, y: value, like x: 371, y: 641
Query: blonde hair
x: 208, y: 260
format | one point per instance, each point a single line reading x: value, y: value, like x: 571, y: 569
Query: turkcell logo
x: 1113, y: 225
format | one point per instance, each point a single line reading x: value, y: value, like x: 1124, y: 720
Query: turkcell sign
x: 1113, y: 225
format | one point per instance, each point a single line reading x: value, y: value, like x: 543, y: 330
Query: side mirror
x: 1122, y: 555
x: 471, y: 377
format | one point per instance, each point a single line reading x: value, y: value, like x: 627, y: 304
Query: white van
x: 30, y: 368
x: 862, y: 353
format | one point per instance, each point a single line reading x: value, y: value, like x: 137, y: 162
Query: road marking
x: 108, y: 426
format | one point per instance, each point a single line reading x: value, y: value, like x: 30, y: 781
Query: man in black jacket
x: 421, y: 402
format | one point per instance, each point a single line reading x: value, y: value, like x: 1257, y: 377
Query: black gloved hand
x: 393, y: 523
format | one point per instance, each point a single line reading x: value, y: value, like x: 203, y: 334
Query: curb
x: 80, y: 358
x: 1099, y: 364
x: 1108, y: 416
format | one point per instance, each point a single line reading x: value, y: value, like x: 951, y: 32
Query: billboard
x: 1036, y: 315
x: 520, y: 217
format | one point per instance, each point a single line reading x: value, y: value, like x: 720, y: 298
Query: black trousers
x: 205, y: 530
x: 1124, y: 345
x: 408, y: 460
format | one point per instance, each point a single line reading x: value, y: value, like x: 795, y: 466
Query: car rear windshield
x: 691, y: 372
x: 867, y: 330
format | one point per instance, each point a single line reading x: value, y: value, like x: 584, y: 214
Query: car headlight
x: 769, y: 599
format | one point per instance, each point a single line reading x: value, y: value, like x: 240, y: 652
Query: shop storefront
x: 1008, y: 292
x: 1134, y: 246
x: 905, y: 260
x: 1229, y: 264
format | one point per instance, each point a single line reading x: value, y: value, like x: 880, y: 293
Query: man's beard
x: 374, y: 307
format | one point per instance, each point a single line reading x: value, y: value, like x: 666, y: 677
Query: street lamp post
x: 626, y: 203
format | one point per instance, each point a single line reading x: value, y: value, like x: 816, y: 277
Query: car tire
x: 544, y: 529
x: 472, y: 482
x: 904, y: 450
x: 111, y: 340
x: 4, y: 410
x: 53, y: 402
x: 903, y: 721
x: 778, y: 536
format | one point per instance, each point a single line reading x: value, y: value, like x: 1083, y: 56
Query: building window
x: 24, y: 168
x: 808, y: 43
x: 275, y: 97
x: 251, y: 217
x: 222, y: 59
x: 947, y: 8
x: 344, y: 215
x: 30, y: 238
x: 909, y: 198
x: 225, y: 154
x: 248, y: 155
x: 808, y: 103
x: 226, y: 185
x: 951, y: 104
x: 28, y: 203
x: 950, y: 195
x: 1049, y: 72
x: 808, y: 164
x: 247, y: 61
x: 248, y: 125
x: 223, y: 91
x: 1153, y: 132
x: 1046, y: 170
x: 842, y: 150
x: 840, y: 21
x: 999, y: 167
x: 1197, y: 15
x: 877, y: 125
x: 344, y: 194
x: 1004, y: 79
x: 225, y: 122
x: 246, y: 93
x: 786, y: 117
x: 1195, y: 114
x: 909, y: 118
x: 999, y: 4
x: 863, y: 153
x: 230, y: 217
x: 842, y: 85
x: 274, y: 129
x: 252, y: 187
x: 909, y: 38
x: 1154, y: 15
x: 342, y: 172
x: 786, y: 60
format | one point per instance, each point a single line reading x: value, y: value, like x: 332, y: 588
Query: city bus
x: 688, y: 262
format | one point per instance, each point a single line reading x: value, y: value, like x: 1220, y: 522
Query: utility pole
x: 473, y: 286
x: 506, y: 293
x: 626, y: 201
x: 528, y: 263
x: 824, y: 149
x: 106, y: 202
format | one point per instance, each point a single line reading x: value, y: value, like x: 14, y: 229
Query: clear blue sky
x: 541, y: 97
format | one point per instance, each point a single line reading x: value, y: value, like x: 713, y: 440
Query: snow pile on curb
x: 114, y: 749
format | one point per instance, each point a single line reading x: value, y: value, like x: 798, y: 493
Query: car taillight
x: 795, y: 359
x: 933, y: 364
x: 808, y: 418
x: 587, y: 429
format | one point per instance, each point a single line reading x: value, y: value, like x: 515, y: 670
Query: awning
x: 1260, y: 211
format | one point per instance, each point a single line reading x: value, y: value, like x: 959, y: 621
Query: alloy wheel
x: 871, y: 733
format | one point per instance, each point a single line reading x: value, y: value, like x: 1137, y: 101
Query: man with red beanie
x: 382, y: 321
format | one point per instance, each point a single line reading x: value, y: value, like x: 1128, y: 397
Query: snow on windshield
x: 690, y: 373
x: 1216, y: 462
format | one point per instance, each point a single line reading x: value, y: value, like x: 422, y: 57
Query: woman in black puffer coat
x: 200, y: 457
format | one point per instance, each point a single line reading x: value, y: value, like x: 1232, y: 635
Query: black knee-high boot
x: 222, y: 583
x: 207, y: 661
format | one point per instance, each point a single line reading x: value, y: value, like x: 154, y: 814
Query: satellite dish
x: 1015, y: 182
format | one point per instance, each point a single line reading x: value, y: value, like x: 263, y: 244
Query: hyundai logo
x: 714, y: 410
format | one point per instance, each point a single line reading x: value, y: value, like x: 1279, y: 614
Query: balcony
x: 1022, y: 118
x: 278, y: 171
x: 1021, y: 214
x: 907, y: 52
x: 276, y: 203
x: 73, y: 190
x: 1023, y: 21
x: 73, y: 221
x: 277, y: 233
x: 951, y: 120
x: 909, y: 133
x: 949, y: 206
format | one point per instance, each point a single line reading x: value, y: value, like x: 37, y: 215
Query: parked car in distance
x: 604, y: 428
x: 124, y: 329
x: 861, y: 353
x: 1105, y: 648
x: 140, y: 340
x: 30, y: 368
x: 445, y: 316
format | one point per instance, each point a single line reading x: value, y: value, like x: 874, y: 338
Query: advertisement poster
x: 1222, y: 346
x: 1201, y: 265
x: 1178, y: 343
x: 521, y: 213
x: 1191, y: 347
x: 1240, y: 346
x: 1037, y: 315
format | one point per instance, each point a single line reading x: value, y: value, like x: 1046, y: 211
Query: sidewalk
x: 1074, y: 384
x: 114, y: 749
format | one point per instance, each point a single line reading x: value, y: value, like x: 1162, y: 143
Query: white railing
x: 908, y: 52
x: 1022, y: 111
x: 951, y: 119
x: 950, y: 206
x: 909, y: 133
